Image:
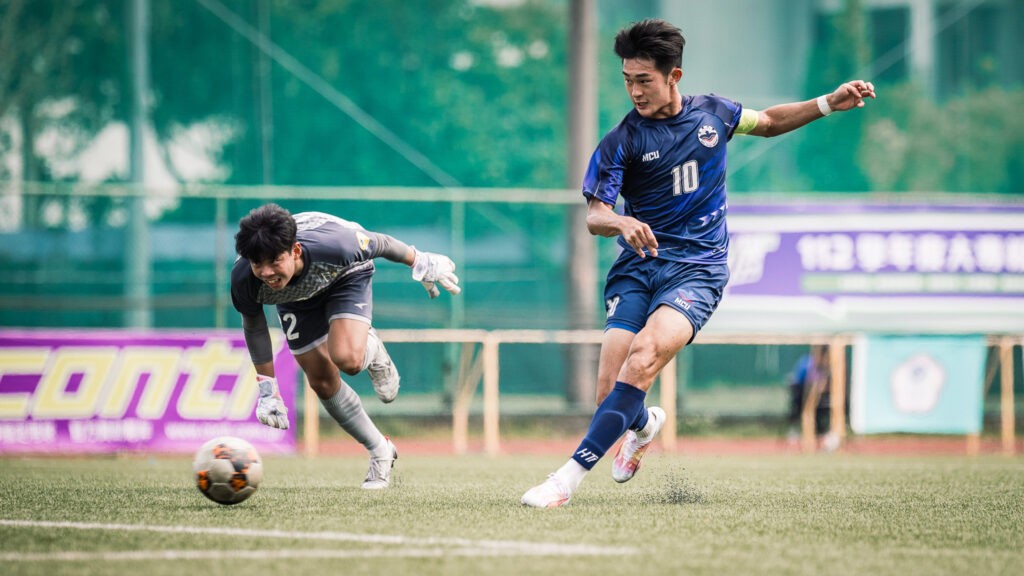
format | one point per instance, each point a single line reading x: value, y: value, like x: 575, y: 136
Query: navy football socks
x: 621, y: 410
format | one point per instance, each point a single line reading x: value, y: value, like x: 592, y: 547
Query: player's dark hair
x: 652, y: 39
x: 265, y: 233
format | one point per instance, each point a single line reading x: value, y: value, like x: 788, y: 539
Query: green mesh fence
x: 380, y: 112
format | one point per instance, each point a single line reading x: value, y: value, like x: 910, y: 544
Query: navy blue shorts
x: 635, y: 288
x: 306, y: 322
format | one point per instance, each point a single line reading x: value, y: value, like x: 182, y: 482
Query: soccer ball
x: 227, y: 470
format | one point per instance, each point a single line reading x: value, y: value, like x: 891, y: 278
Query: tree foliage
x: 914, y: 143
x: 843, y: 54
x: 469, y: 87
x: 61, y: 68
x: 478, y: 89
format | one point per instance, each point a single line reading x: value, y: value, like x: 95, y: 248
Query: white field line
x: 137, y: 555
x: 419, y: 547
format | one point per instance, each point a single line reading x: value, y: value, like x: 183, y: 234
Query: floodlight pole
x: 581, y: 295
x: 138, y: 312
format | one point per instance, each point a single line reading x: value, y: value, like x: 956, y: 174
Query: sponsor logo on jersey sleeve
x: 364, y: 241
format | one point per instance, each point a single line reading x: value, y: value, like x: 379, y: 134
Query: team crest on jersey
x: 708, y: 136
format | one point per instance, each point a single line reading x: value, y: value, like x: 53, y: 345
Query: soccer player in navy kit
x: 317, y: 270
x: 667, y: 160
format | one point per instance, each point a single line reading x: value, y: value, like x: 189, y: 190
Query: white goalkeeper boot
x: 382, y: 370
x: 632, y: 449
x: 379, y: 474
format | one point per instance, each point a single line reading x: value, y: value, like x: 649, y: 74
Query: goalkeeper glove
x: 430, y: 269
x: 270, y: 409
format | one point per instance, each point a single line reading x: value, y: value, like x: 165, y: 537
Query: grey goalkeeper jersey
x: 332, y: 248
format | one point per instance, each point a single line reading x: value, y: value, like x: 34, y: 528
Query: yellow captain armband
x: 748, y: 121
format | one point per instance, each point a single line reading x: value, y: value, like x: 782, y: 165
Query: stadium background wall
x: 114, y: 215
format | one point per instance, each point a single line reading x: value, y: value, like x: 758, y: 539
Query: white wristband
x: 823, y: 106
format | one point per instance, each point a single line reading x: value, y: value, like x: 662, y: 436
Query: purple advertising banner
x: 974, y: 263
x: 829, y: 251
x: 845, y: 264
x: 111, y: 391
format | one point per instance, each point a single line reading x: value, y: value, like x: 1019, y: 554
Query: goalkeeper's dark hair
x: 654, y: 40
x: 265, y: 233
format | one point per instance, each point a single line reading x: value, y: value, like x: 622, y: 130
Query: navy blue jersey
x: 332, y: 249
x: 670, y: 173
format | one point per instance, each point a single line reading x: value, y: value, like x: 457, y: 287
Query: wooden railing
x: 476, y: 366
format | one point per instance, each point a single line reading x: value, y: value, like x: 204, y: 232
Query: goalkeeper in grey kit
x: 317, y: 270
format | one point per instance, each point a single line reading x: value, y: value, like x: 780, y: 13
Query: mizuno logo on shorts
x: 610, y: 305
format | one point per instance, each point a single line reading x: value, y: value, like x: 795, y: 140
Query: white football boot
x: 627, y: 459
x: 379, y: 474
x: 551, y: 493
x: 383, y: 373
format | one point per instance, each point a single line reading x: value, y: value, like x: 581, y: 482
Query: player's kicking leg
x: 633, y: 448
x: 614, y: 350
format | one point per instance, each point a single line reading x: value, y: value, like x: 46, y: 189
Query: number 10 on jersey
x: 685, y: 178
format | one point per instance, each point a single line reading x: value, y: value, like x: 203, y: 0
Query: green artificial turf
x: 778, y: 514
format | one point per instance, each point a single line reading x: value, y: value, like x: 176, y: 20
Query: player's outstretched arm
x: 428, y: 268
x: 847, y: 96
x: 783, y: 118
